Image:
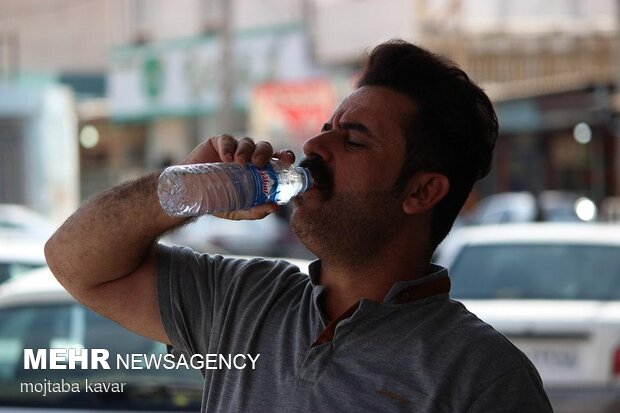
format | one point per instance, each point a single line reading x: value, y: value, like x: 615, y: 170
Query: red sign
x: 300, y: 108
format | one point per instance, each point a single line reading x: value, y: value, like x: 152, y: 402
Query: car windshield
x: 72, y: 326
x: 557, y: 272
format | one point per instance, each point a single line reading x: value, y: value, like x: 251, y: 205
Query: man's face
x: 356, y: 159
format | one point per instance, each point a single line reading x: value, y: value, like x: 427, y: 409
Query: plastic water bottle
x: 197, y: 189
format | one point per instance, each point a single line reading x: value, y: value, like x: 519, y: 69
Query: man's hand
x: 225, y: 148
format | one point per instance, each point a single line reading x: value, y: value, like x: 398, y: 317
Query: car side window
x: 70, y: 325
x: 14, y: 326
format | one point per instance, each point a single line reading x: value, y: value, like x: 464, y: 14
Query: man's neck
x: 345, y: 285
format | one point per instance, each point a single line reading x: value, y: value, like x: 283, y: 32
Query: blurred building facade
x: 154, y: 78
x: 549, y: 67
x: 53, y: 64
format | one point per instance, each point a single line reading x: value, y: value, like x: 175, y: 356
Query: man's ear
x: 424, y: 191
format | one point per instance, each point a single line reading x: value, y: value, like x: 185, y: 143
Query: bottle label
x: 266, y: 181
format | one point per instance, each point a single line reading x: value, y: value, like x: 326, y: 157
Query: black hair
x: 452, y: 131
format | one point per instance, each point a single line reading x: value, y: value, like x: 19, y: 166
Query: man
x: 372, y: 329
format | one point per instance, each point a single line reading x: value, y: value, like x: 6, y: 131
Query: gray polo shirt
x: 417, y: 351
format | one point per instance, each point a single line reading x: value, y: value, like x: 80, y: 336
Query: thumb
x: 261, y: 211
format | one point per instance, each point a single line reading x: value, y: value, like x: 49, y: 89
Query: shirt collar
x: 434, y: 283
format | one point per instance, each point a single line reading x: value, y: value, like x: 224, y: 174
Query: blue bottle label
x: 266, y: 181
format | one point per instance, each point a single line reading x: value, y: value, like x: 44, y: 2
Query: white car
x: 37, y: 313
x: 520, y: 207
x: 554, y: 291
x: 23, y: 233
x: 19, y: 253
x: 21, y: 220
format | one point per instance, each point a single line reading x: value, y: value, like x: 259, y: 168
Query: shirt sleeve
x: 202, y: 296
x: 190, y: 289
x: 518, y: 391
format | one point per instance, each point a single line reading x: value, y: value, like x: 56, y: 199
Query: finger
x: 262, y: 153
x: 245, y: 149
x: 226, y: 146
x: 286, y: 156
x: 204, y: 152
x: 257, y: 212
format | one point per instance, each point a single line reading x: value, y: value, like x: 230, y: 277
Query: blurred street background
x: 97, y: 92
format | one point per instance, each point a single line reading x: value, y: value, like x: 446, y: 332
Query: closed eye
x: 354, y: 144
x: 357, y: 127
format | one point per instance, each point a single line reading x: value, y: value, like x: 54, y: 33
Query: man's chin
x: 305, y: 232
x: 305, y: 198
x: 305, y: 216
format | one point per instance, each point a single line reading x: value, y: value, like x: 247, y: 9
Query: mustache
x: 321, y: 175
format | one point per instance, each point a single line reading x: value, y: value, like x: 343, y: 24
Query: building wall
x: 157, y: 20
x: 342, y: 30
x: 535, y: 16
x: 57, y: 36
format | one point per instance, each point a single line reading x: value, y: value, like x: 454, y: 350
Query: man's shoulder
x: 479, y: 341
x: 239, y: 269
x: 266, y: 270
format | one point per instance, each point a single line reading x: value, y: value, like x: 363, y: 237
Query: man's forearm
x: 109, y: 236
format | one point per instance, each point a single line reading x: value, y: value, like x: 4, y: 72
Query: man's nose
x: 320, y: 145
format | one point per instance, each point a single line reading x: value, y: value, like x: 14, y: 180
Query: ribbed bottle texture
x: 197, y: 189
